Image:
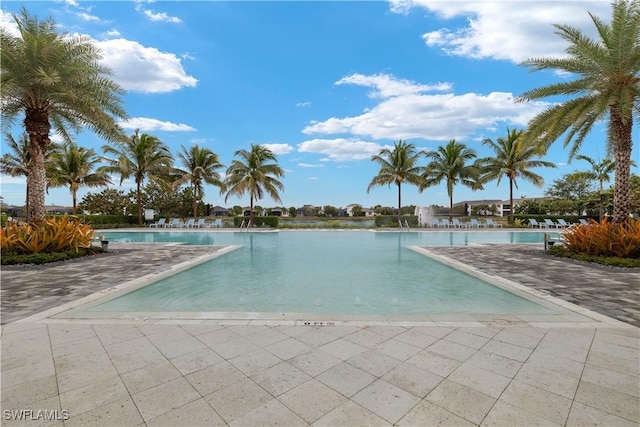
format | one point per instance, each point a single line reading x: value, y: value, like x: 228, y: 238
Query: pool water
x: 348, y: 272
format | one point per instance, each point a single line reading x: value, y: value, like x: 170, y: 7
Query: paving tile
x: 377, y: 364
x: 288, y: 348
x: 27, y: 373
x: 485, y: 331
x: 280, y: 378
x: 451, y: 350
x: 505, y: 415
x: 614, y: 363
x: 397, y: 349
x: 466, y: 339
x: 607, y: 400
x: 386, y: 400
x: 434, y: 331
x: 238, y: 399
x: 149, y: 376
x: 234, y: 348
x: 556, y: 365
x: 218, y: 336
x: 175, y: 348
x: 520, y: 354
x: 481, y: 380
x: 20, y: 396
x: 583, y: 415
x: 346, y: 379
x: 193, y: 414
x: 272, y: 413
x: 312, y: 400
x: 194, y: 361
x: 350, y: 414
x: 85, y: 375
x: 387, y: 331
x: 90, y: 344
x: 342, y: 349
x: 119, y: 413
x: 254, y: 362
x: 426, y: 413
x: 314, y: 362
x: 366, y: 338
x: 196, y: 330
x: 462, y: 401
x: 64, y: 333
x: 82, y: 359
x: 417, y: 337
x: 613, y: 337
x: 517, y: 337
x: 51, y: 405
x: 134, y: 354
x: 537, y: 401
x: 164, y: 398
x: 434, y: 363
x: 612, y: 379
x: 495, y: 363
x: 111, y: 334
x: 214, y: 378
x: 92, y: 396
x: 316, y: 337
x: 266, y: 337
x: 545, y: 378
x: 412, y: 379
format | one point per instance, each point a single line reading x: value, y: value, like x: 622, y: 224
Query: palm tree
x: 397, y: 166
x: 251, y: 173
x: 141, y: 156
x: 200, y: 167
x: 73, y: 166
x: 56, y: 82
x: 607, y: 87
x: 449, y: 163
x: 514, y: 156
x: 600, y: 171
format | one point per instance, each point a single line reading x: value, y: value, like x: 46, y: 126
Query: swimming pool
x: 332, y: 272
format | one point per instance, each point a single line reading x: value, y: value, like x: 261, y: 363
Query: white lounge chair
x: 445, y: 223
x: 435, y: 222
x: 201, y: 223
x: 456, y: 223
x: 159, y: 223
x: 550, y: 223
x: 191, y: 222
x: 562, y: 223
x: 535, y: 224
x: 491, y: 223
x: 583, y: 221
x: 474, y: 223
x: 176, y: 223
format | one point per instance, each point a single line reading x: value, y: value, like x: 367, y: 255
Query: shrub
x: 392, y: 220
x: 561, y: 251
x: 53, y: 235
x: 605, y: 238
x: 258, y: 221
x: 13, y: 259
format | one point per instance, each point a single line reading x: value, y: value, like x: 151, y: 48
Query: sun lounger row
x: 191, y: 223
x: 548, y: 223
x: 456, y: 223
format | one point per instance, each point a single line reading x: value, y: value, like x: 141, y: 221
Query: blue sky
x: 325, y: 84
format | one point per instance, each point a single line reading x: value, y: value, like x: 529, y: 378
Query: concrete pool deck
x: 447, y: 371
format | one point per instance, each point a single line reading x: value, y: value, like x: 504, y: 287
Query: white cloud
x: 314, y: 178
x: 112, y: 33
x: 341, y: 149
x: 146, y: 124
x: 303, y: 104
x: 161, y: 17
x: 88, y: 17
x: 429, y: 116
x: 386, y: 85
x: 278, y: 148
x: 8, y: 179
x: 144, y: 69
x: 309, y: 165
x: 507, y: 30
x: 8, y: 23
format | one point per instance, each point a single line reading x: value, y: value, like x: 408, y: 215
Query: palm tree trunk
x: 450, y: 206
x: 621, y: 135
x: 250, y: 211
x: 399, y: 203
x: 510, y: 201
x: 139, y: 201
x: 195, y: 203
x: 601, y: 203
x: 37, y: 126
x: 74, y: 197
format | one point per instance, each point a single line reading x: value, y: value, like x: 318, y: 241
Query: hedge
x: 392, y: 220
x: 258, y: 221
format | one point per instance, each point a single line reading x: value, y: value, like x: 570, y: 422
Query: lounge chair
x: 564, y: 224
x: 550, y: 223
x: 201, y: 223
x: 435, y: 222
x: 535, y: 224
x: 191, y: 222
x: 456, y: 223
x: 444, y: 222
x: 159, y: 223
x: 217, y: 223
x: 176, y: 223
x: 492, y: 224
x: 474, y: 223
x: 583, y: 221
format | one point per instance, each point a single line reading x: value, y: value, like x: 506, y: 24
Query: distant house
x: 220, y: 211
x: 365, y: 211
x: 280, y: 211
x: 307, y: 210
x: 496, y: 207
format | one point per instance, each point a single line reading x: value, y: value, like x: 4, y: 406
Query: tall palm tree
x: 600, y: 171
x: 397, y: 166
x: 607, y: 87
x: 75, y: 166
x: 514, y: 157
x: 141, y: 156
x: 252, y: 174
x: 58, y: 83
x: 449, y: 163
x: 200, y: 167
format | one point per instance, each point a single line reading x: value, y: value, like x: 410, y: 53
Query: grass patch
x: 9, y: 258
x: 561, y: 251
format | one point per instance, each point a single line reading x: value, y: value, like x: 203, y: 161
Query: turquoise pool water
x: 348, y: 272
